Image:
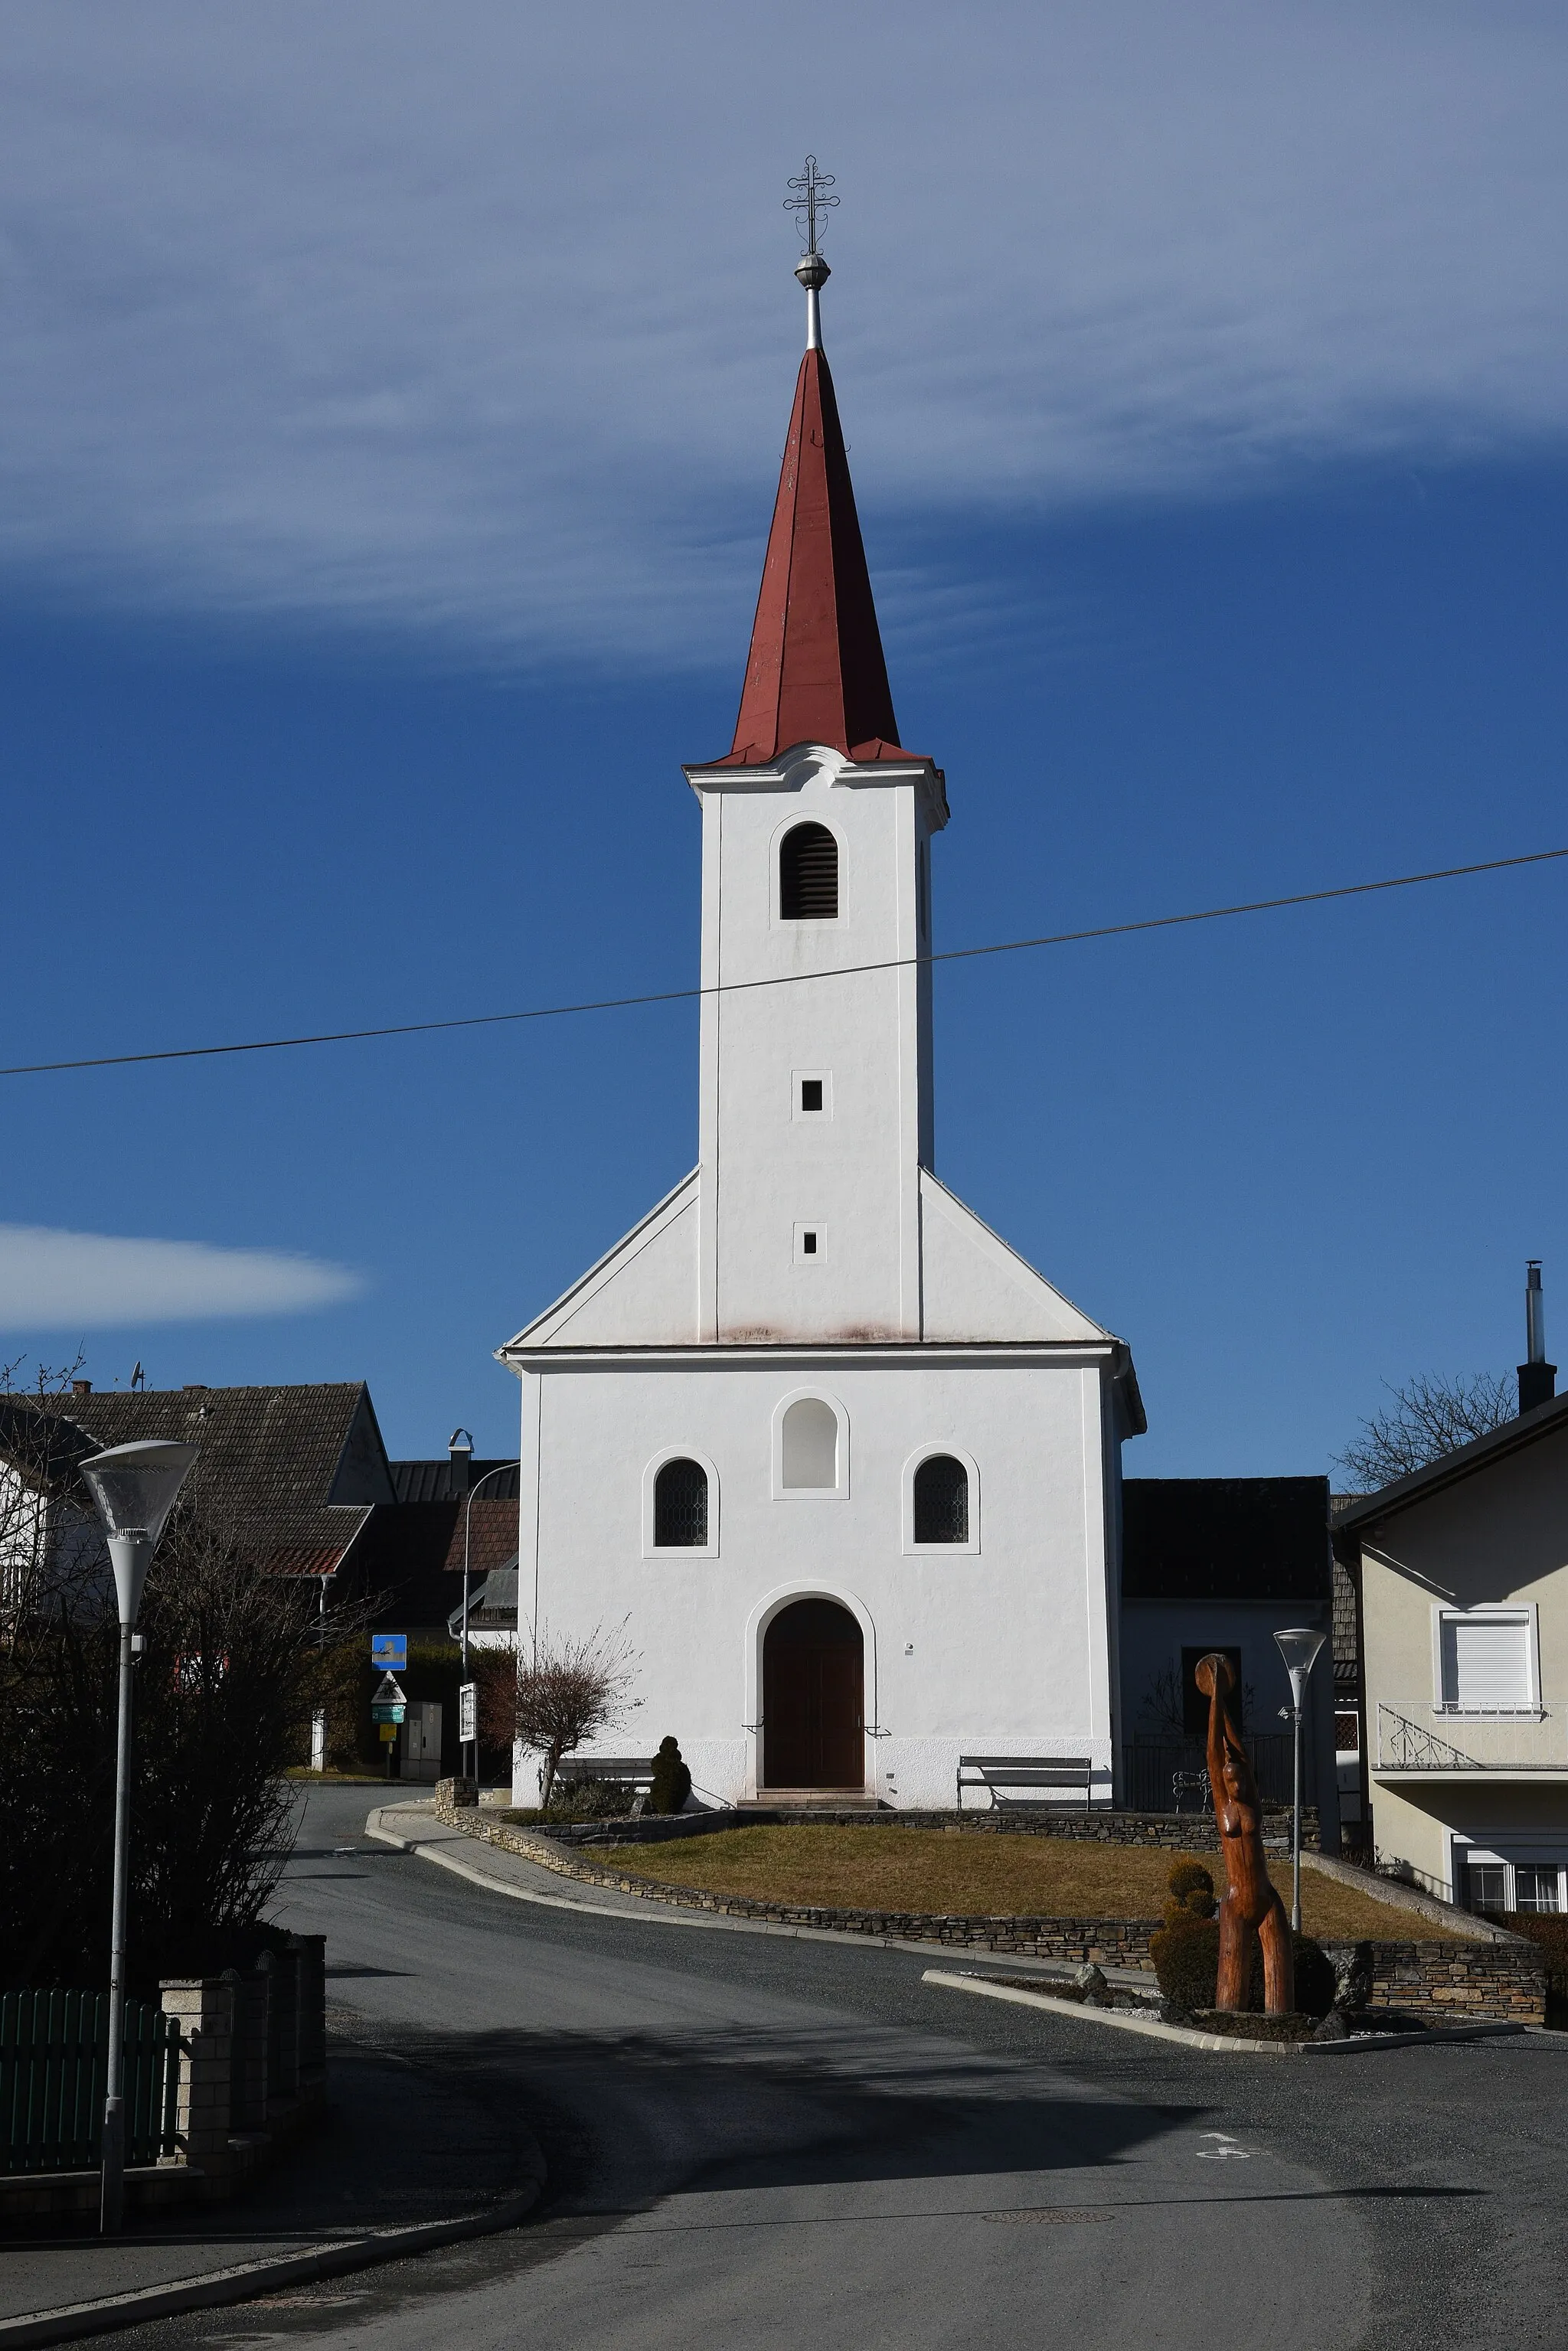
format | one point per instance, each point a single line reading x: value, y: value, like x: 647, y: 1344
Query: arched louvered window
x: 680, y: 1506
x: 809, y: 874
x: 941, y: 1500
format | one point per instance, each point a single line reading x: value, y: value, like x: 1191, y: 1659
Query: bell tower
x: 816, y: 1015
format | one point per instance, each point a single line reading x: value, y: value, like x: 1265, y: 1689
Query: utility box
x: 422, y: 1741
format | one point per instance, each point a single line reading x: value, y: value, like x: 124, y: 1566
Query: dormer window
x: 809, y: 876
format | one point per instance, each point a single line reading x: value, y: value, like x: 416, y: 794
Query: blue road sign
x: 390, y: 1650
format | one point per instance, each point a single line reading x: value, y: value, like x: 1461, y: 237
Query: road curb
x: 1219, y: 2045
x: 652, y: 1913
x: 245, y: 2280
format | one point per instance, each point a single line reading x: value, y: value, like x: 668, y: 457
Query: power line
x: 786, y: 979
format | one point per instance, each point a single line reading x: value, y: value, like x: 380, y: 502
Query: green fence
x: 54, y: 2063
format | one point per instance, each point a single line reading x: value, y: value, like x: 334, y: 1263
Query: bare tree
x: 1429, y: 1418
x: 232, y: 1661
x: 562, y: 1691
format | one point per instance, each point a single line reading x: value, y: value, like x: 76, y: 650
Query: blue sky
x: 386, y: 486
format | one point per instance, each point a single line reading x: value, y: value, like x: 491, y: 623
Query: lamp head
x: 1299, y: 1645
x: 134, y: 1486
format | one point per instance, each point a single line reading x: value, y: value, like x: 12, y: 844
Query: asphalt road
x: 756, y: 2141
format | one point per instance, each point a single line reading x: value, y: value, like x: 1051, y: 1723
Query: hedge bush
x: 1186, y: 1951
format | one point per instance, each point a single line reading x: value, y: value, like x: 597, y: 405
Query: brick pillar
x: 312, y: 1983
x: 204, y: 2117
x: 253, y: 2001
x: 283, y: 2027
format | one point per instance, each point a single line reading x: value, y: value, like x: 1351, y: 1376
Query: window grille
x: 941, y: 1500
x: 680, y: 1506
x: 809, y: 874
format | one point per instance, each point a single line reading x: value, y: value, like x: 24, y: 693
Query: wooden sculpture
x: 1250, y: 1906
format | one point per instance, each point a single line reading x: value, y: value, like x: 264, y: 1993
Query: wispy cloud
x: 53, y: 1280
x: 477, y: 321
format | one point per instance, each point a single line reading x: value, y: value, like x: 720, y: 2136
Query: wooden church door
x: 813, y: 1701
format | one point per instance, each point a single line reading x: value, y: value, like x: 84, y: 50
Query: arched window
x: 811, y: 1445
x: 809, y: 874
x: 680, y: 1506
x: 941, y: 1500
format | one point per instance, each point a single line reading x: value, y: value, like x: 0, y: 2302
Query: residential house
x: 1462, y: 1570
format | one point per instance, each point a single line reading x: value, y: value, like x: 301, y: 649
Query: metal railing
x: 1414, y: 1734
x: 53, y: 2053
x: 1171, y: 1775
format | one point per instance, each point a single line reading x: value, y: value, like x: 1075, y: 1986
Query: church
x: 846, y: 1467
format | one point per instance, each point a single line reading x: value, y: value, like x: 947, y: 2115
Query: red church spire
x: 815, y: 672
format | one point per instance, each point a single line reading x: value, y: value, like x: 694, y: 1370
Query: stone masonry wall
x: 1490, y: 1981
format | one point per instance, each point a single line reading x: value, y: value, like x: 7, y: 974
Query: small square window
x: 810, y: 1094
x: 808, y: 1244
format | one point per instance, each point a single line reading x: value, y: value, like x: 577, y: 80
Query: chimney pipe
x: 1537, y: 1377
x: 460, y: 1449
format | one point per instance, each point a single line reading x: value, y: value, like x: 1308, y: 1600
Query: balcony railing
x: 1414, y: 1734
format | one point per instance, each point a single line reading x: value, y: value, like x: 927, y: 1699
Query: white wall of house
x: 1465, y: 1622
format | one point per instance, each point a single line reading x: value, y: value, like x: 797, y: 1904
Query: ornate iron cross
x: 810, y: 199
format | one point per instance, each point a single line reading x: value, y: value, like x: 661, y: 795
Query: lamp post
x: 1299, y: 1645
x: 467, y: 1524
x: 134, y: 1487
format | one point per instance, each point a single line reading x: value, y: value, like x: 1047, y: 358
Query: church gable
x: 973, y: 1286
x: 642, y: 1294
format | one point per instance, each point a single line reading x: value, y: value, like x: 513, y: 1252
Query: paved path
x: 765, y: 2140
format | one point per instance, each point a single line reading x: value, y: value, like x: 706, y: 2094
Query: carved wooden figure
x: 1250, y: 1906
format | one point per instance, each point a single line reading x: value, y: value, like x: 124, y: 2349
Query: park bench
x: 1041, y: 1775
x: 635, y: 1771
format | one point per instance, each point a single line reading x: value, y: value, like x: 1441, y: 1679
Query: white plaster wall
x: 1006, y: 1648
x: 852, y: 1176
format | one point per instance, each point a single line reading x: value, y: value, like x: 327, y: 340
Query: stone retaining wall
x: 1492, y: 1980
x: 1173, y: 1832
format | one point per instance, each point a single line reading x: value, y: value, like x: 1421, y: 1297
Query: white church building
x: 847, y: 1469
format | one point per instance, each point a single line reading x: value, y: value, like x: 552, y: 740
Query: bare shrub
x: 559, y: 1693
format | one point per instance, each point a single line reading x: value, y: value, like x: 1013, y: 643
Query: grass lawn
x: 952, y: 1872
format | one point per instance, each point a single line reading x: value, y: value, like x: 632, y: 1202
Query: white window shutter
x: 1486, y: 1661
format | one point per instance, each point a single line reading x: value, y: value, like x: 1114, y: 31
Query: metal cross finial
x: 810, y: 199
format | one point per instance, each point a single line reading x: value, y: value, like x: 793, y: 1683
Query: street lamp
x: 467, y: 1526
x: 1299, y: 1645
x: 134, y: 1487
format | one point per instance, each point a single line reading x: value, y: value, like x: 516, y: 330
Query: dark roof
x: 442, y: 1481
x: 492, y: 1606
x: 815, y: 672
x: 292, y: 1471
x: 1226, y: 1539
x: 1449, y: 1469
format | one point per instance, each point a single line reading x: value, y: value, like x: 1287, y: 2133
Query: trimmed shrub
x: 1186, y: 1962
x: 672, y: 1779
x: 1190, y: 1877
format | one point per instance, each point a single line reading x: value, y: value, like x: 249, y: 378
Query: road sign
x: 467, y: 1712
x: 389, y: 1691
x: 385, y: 1714
x: 389, y: 1649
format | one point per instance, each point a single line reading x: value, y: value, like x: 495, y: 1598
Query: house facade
x: 844, y: 1466
x: 1225, y: 1563
x: 1462, y: 1571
